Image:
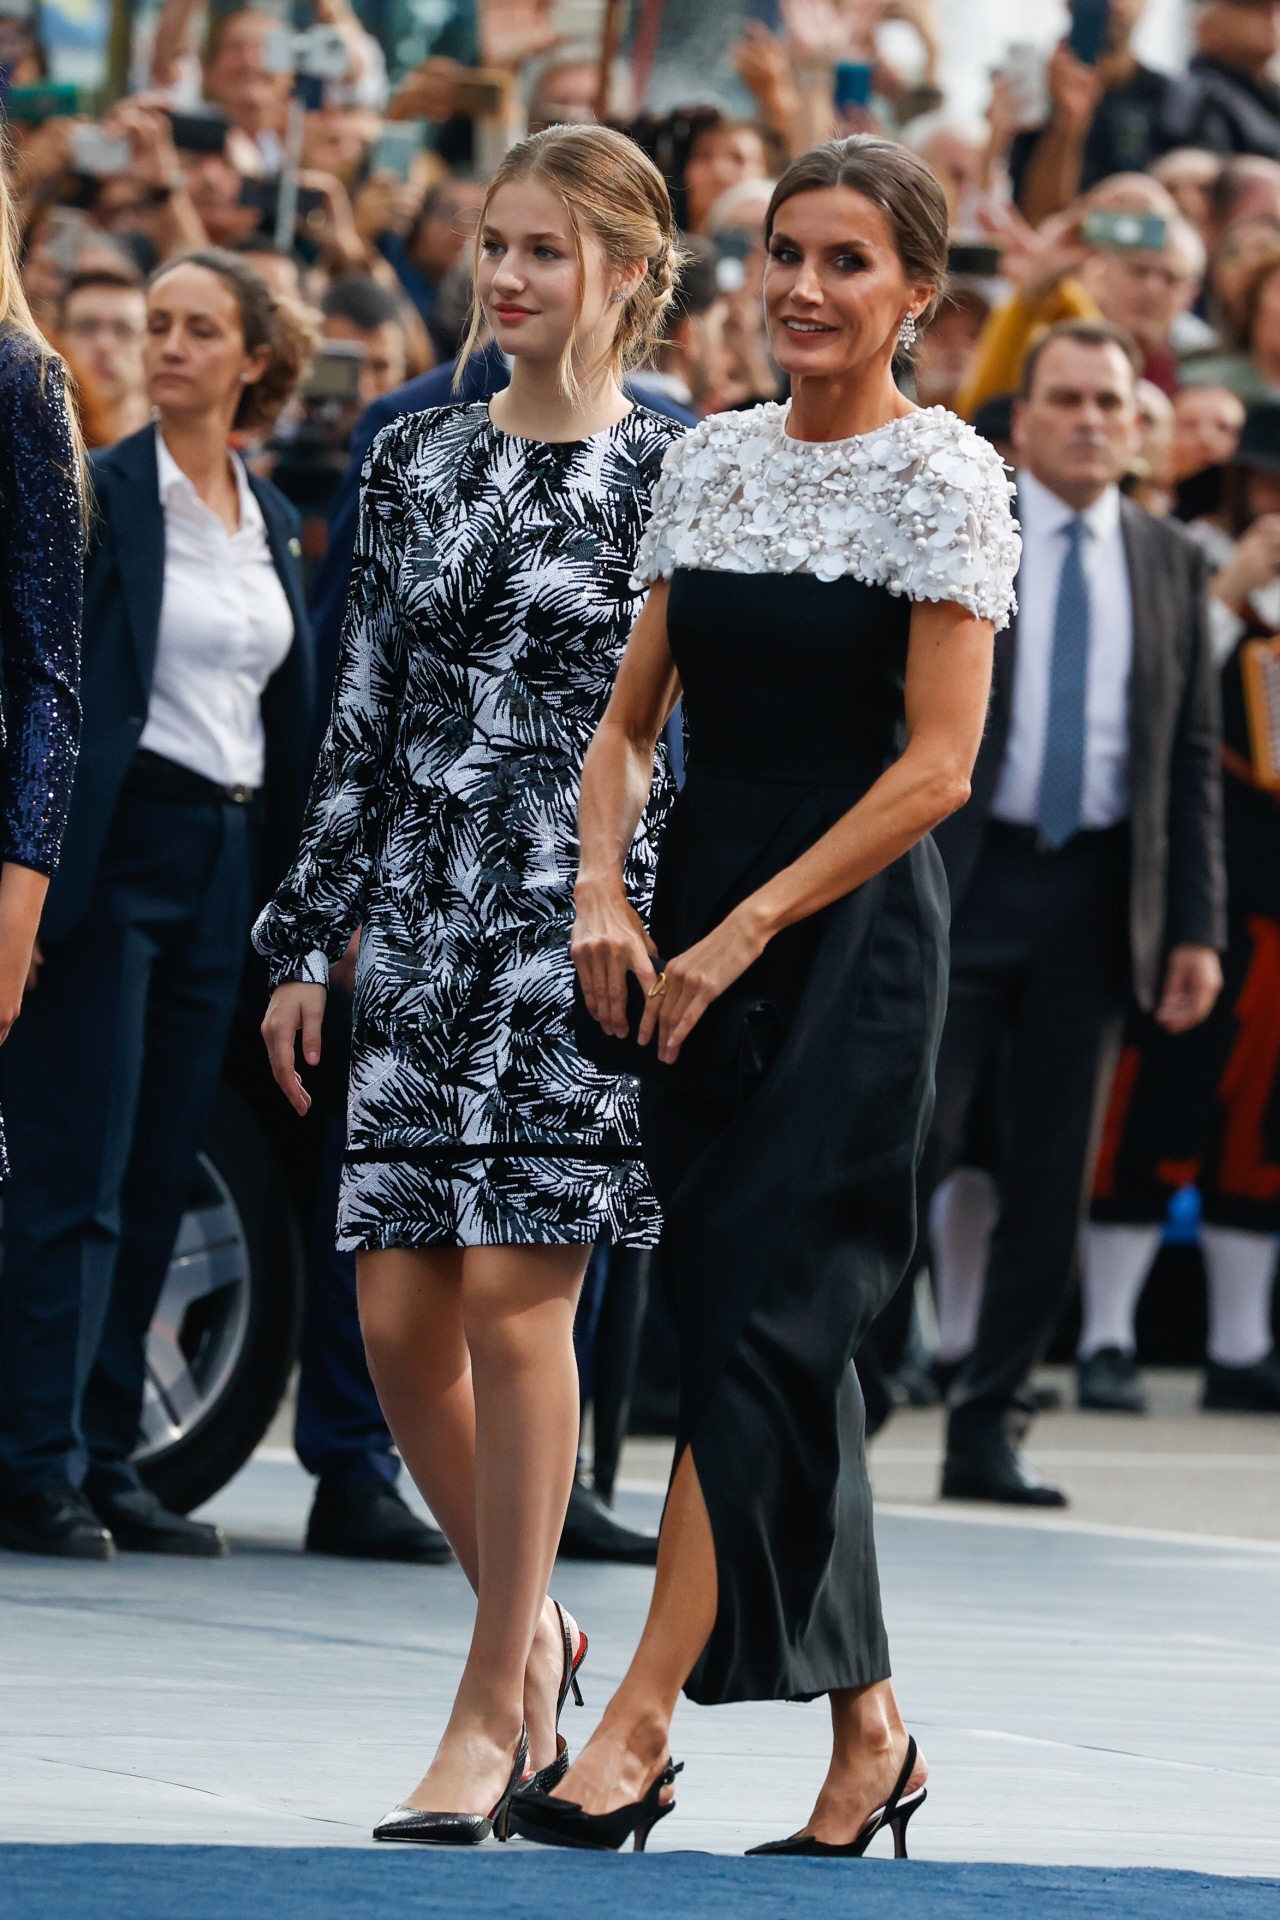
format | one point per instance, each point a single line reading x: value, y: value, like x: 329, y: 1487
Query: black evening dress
x: 491, y: 601
x: 41, y: 587
x: 783, y: 1144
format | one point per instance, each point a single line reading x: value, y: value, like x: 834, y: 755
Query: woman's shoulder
x: 34, y: 419
x: 20, y: 356
x: 431, y: 436
x: 950, y: 499
x: 30, y: 376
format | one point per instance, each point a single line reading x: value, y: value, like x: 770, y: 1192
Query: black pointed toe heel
x: 894, y: 1814
x: 562, y: 1823
x: 555, y: 1770
x: 424, y: 1828
x: 550, y: 1776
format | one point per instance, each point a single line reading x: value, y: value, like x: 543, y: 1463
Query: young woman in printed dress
x: 491, y: 603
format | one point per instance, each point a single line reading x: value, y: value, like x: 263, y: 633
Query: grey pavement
x: 1088, y: 1691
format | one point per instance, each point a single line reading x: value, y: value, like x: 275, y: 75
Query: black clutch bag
x: 605, y: 1050
x: 727, y: 1054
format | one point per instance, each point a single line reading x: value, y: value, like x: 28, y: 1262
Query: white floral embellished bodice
x: 920, y: 507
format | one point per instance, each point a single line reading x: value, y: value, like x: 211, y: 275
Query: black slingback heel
x: 427, y: 1829
x: 555, y: 1770
x: 894, y: 1814
x: 562, y: 1823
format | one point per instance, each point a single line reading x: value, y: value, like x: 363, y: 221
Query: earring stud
x: 907, y: 333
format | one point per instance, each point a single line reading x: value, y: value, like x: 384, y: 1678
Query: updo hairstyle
x: 612, y: 189
x: 893, y: 179
x: 266, y: 320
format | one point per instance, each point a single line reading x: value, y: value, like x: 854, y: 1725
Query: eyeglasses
x: 124, y: 331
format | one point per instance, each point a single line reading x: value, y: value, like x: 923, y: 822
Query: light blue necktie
x: 1062, y: 774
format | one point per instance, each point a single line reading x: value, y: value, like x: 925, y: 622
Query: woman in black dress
x: 827, y: 579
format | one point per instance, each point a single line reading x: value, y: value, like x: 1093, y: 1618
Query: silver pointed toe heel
x: 424, y: 1828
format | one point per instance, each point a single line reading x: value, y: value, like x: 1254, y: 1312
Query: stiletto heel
x: 555, y: 1770
x: 899, y: 1822
x: 427, y: 1829
x: 894, y: 1814
x: 562, y: 1823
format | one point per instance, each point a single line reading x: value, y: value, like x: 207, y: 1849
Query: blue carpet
x: 325, y: 1883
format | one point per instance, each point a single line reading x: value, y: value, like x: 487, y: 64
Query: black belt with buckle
x: 151, y: 777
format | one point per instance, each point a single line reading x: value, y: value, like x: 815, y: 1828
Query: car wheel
x: 225, y: 1332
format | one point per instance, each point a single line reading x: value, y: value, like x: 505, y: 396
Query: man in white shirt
x: 1087, y: 864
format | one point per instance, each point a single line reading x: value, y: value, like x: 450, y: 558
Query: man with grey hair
x: 1144, y: 290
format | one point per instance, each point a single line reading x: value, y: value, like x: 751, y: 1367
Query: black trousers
x: 107, y: 1082
x: 1039, y: 966
x: 339, y: 1428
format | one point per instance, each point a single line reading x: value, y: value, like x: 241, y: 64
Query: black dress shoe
x: 141, y: 1523
x: 944, y: 1372
x: 994, y: 1472
x: 592, y: 1533
x: 367, y: 1520
x: 1109, y: 1382
x: 1254, y: 1389
x: 55, y: 1520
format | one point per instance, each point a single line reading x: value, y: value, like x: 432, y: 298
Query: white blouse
x: 225, y: 626
x: 920, y: 506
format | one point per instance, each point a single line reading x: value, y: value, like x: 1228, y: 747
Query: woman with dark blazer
x: 198, y: 695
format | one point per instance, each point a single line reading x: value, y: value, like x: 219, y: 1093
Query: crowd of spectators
x: 1094, y: 189
x: 1146, y: 198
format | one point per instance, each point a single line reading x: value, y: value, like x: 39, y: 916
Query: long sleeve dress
x: 491, y: 601
x: 783, y: 1143
x: 41, y: 586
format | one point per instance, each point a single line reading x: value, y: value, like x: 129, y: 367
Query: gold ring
x: 659, y: 986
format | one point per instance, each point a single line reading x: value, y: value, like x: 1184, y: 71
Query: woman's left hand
x: 696, y: 978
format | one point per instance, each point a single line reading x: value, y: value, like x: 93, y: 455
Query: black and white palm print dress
x: 490, y: 605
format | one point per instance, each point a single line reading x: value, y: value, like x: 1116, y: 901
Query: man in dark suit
x: 109, y: 1077
x: 1088, y: 860
x: 338, y: 1414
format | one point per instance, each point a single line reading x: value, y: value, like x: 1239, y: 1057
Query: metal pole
x: 644, y: 52
x: 119, y: 50
x: 287, y: 205
x: 615, y: 19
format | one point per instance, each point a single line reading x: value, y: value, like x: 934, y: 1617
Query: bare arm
x: 173, y: 35
x: 947, y: 683
x: 609, y: 940
x: 1052, y: 179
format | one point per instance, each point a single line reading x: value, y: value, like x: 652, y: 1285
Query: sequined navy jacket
x: 41, y: 573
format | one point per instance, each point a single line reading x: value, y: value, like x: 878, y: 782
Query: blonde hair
x: 612, y: 189
x: 17, y: 316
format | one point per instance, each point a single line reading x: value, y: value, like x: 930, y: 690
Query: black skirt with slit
x: 783, y: 1145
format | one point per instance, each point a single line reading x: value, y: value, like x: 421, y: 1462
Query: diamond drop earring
x: 907, y: 333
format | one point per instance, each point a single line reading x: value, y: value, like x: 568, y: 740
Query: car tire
x: 225, y: 1335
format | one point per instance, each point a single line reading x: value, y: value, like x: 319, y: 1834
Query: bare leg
x: 484, y: 1338
x: 868, y: 1747
x: 630, y: 1745
x: 628, y: 1749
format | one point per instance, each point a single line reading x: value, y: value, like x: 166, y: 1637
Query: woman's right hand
x: 608, y: 943
x: 293, y: 1006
